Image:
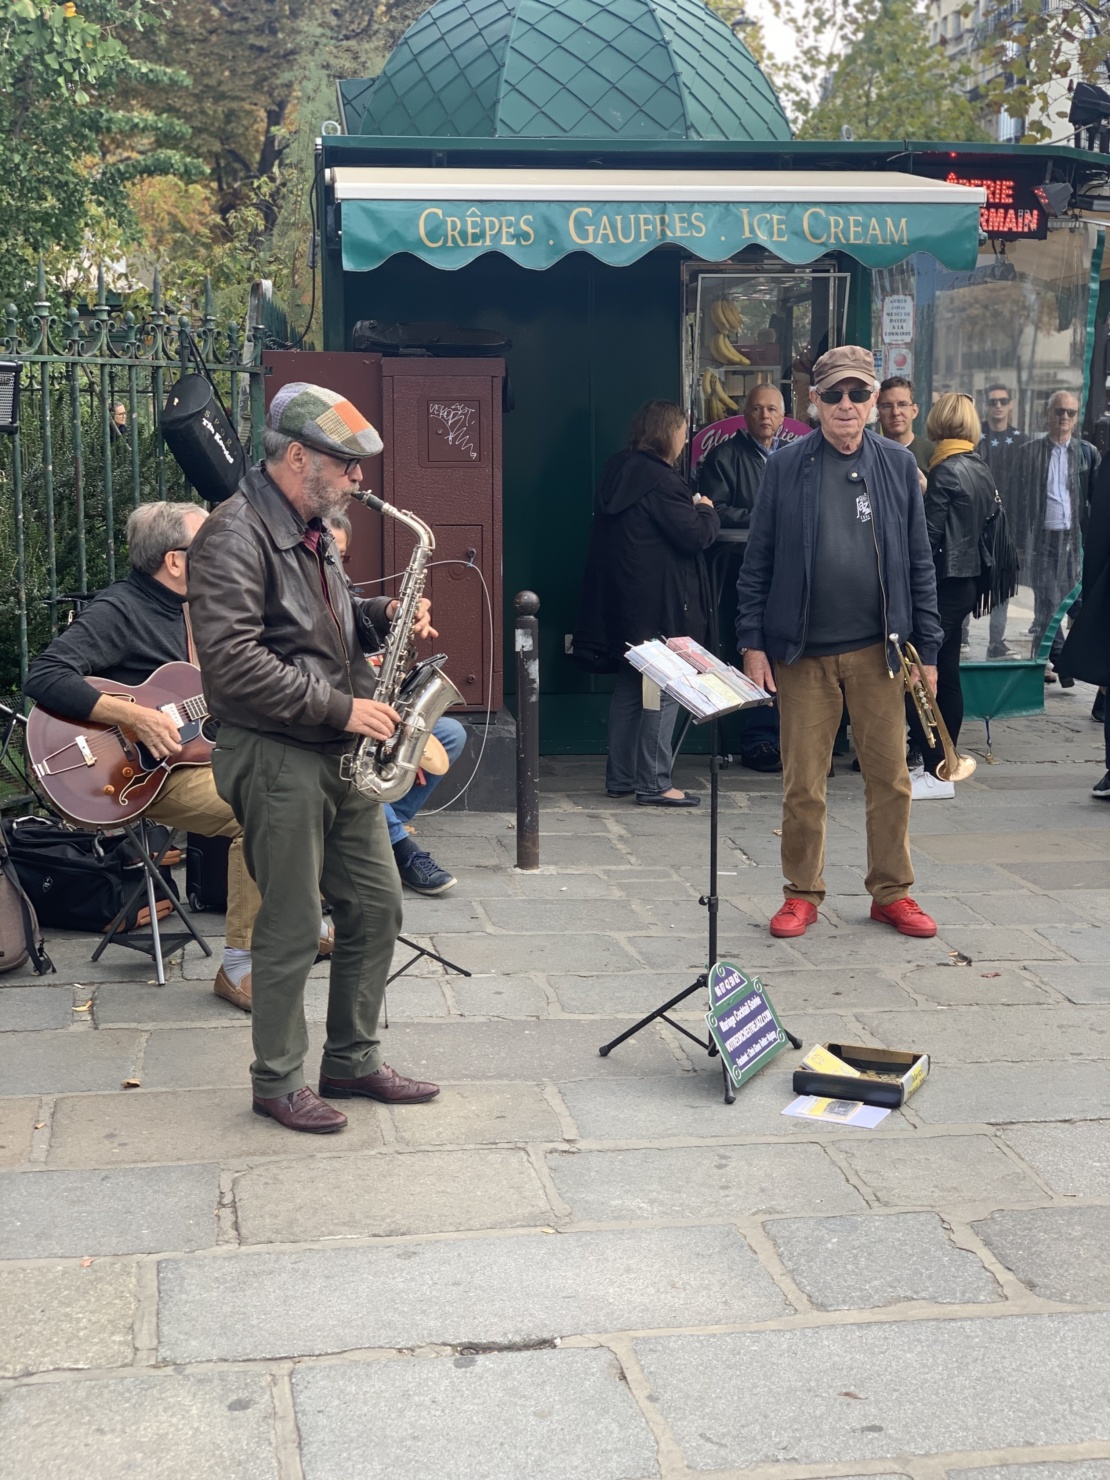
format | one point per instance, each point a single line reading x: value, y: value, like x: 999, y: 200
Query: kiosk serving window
x: 748, y: 326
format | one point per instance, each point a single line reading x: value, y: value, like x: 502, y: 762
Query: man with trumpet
x: 838, y: 563
x: 281, y: 642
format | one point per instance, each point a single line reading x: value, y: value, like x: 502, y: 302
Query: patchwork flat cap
x: 322, y: 419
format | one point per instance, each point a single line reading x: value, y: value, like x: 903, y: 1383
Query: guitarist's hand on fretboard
x: 156, y: 730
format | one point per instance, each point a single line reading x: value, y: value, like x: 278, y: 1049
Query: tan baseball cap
x: 849, y: 361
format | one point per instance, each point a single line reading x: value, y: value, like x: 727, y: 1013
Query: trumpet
x: 955, y: 766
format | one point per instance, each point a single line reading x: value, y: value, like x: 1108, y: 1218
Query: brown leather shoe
x: 385, y: 1085
x: 327, y: 942
x: 238, y: 996
x: 303, y: 1110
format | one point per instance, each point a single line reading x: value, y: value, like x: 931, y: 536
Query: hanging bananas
x: 726, y: 353
x: 716, y: 401
x: 726, y: 316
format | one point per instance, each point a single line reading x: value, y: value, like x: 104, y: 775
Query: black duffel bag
x: 79, y: 880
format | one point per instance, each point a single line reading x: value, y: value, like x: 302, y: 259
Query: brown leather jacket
x: 275, y: 656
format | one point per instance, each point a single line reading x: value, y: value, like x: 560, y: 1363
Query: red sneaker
x: 793, y: 918
x: 906, y: 915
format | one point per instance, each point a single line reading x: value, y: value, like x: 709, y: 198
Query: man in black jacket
x: 837, y: 563
x: 730, y: 475
x: 1056, y: 478
x: 999, y: 448
x: 128, y: 631
x: 282, y: 642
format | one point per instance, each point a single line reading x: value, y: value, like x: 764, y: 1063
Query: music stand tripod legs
x: 712, y: 904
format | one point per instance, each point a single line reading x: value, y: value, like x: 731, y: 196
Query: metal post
x: 526, y: 604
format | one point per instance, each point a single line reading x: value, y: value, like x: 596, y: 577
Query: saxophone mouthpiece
x: 371, y: 500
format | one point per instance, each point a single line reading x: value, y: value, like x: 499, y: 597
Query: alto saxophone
x: 384, y: 770
x: 955, y: 766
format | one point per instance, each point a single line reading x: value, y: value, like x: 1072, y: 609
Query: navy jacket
x: 776, y: 577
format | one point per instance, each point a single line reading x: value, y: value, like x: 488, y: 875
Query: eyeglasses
x: 858, y: 396
x: 891, y: 405
x: 349, y: 463
x: 1064, y: 411
x: 998, y: 400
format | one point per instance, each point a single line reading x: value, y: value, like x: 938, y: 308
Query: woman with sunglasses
x: 959, y: 499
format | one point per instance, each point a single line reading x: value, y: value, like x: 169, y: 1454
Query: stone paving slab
x: 1058, y: 1253
x: 996, y: 1094
x: 845, y: 989
x: 510, y: 954
x: 631, y: 993
x: 372, y: 1196
x: 71, y: 952
x: 184, y: 1126
x: 1057, y: 877
x: 547, y: 1415
x: 971, y: 1035
x: 1087, y: 943
x: 655, y: 1109
x: 1074, y: 1160
x: 1025, y: 908
x: 64, y: 1316
x: 135, y: 1003
x: 195, y: 1426
x: 575, y: 916
x: 66, y: 1061
x: 24, y: 1009
x: 125, y: 1210
x: 982, y: 984
x: 937, y: 1171
x: 17, y: 1121
x: 861, y: 1263
x: 1077, y: 983
x: 499, y: 996
x: 877, y: 946
x: 1019, y: 1379
x: 1071, y: 845
x: 689, y: 1181
x: 526, y: 1288
x: 478, y: 1114
x: 1091, y: 1469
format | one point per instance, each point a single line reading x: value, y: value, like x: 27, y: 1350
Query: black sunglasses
x: 998, y: 400
x: 1064, y: 411
x: 857, y: 396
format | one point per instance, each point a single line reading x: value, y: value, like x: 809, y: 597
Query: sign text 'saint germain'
x: 587, y: 226
x: 1002, y: 215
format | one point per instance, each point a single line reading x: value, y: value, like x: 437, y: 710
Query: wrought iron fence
x: 89, y: 446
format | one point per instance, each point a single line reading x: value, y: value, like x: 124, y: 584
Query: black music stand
x: 709, y: 900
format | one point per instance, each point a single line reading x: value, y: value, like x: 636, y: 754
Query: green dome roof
x: 596, y: 69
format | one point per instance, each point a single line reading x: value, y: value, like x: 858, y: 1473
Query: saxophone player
x: 281, y: 641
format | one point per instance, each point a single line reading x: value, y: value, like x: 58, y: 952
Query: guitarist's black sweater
x: 124, y: 634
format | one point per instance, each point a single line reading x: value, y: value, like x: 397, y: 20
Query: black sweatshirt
x: 124, y: 634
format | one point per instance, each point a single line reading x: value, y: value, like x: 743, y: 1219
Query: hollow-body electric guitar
x: 103, y: 775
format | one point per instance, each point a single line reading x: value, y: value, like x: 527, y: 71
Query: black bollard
x: 526, y: 604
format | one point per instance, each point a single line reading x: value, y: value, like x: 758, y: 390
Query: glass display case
x: 755, y: 324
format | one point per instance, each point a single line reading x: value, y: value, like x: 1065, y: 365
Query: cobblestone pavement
x: 577, y: 1268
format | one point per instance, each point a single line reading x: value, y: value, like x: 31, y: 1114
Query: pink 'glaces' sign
x: 723, y: 431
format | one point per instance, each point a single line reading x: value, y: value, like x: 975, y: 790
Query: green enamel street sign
x: 742, y: 1022
x: 537, y: 234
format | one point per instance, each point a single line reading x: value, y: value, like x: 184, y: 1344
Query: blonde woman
x: 959, y: 499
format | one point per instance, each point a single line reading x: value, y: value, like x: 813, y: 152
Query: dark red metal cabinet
x: 442, y: 460
x: 440, y: 421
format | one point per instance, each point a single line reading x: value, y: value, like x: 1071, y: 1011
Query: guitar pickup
x: 83, y: 746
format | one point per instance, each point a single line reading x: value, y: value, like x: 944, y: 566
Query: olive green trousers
x: 306, y: 831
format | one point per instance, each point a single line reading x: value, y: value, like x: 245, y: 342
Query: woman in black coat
x: 645, y: 578
x: 959, y: 499
x: 1086, y: 652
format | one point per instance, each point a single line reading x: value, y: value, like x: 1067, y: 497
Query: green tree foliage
x: 71, y: 140
x: 886, y: 81
x: 749, y: 30
x: 1033, y: 51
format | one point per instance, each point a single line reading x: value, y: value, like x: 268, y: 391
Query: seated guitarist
x: 127, y: 632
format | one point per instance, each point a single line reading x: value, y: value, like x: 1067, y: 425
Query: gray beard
x: 321, y: 500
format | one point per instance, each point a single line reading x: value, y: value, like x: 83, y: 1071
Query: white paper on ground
x: 841, y: 1112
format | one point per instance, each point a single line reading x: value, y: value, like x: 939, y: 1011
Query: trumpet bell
x: 956, y: 767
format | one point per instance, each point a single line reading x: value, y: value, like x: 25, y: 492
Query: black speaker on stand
x: 204, y: 444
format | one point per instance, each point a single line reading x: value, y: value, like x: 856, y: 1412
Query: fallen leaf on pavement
x: 40, y: 1125
x: 83, y: 1006
x: 990, y: 973
x: 85, y: 1263
x: 850, y: 1394
x: 131, y: 1084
